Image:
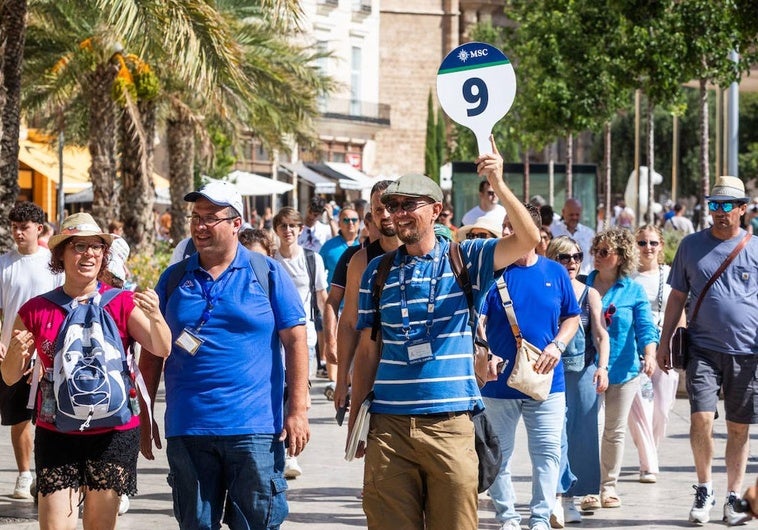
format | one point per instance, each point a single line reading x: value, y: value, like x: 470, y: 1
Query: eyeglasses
x: 602, y: 252
x: 566, y: 258
x: 608, y: 315
x: 485, y: 235
x: 207, y: 220
x: 292, y: 226
x: 348, y: 220
x: 646, y: 243
x: 406, y: 206
x: 96, y: 248
x: 725, y: 206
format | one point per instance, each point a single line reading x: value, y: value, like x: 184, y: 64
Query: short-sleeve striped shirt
x: 445, y: 383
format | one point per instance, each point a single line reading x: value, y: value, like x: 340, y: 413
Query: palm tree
x: 12, y: 35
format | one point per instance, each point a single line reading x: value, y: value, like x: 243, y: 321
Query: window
x: 355, y: 81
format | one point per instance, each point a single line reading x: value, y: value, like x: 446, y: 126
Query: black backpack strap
x: 382, y: 271
x: 464, y: 281
x: 310, y: 261
x: 175, y: 276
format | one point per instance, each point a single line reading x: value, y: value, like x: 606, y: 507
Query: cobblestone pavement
x: 325, y: 497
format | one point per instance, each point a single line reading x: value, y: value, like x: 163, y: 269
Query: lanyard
x: 404, y: 313
x: 211, y: 299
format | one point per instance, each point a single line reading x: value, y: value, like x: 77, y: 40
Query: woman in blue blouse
x: 633, y: 339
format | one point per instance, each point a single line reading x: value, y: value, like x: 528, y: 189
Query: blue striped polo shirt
x: 446, y: 382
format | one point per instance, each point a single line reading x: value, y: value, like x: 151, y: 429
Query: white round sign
x: 476, y: 86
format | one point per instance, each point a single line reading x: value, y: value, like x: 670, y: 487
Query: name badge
x: 188, y: 341
x: 419, y: 351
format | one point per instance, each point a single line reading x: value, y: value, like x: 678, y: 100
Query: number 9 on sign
x: 476, y: 86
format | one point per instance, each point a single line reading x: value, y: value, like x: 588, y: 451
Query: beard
x: 388, y: 231
x: 409, y: 236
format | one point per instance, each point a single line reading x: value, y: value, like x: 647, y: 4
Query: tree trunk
x: 12, y: 36
x: 569, y: 163
x: 137, y: 186
x: 181, y: 156
x: 704, y: 169
x: 650, y: 160
x: 607, y: 165
x: 102, y: 142
x: 527, y: 174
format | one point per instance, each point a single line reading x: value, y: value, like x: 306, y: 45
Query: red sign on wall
x: 354, y: 159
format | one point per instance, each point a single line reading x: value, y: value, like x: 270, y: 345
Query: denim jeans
x: 544, y: 426
x: 244, y: 471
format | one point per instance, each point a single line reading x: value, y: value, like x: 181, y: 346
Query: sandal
x: 610, y: 501
x: 589, y: 503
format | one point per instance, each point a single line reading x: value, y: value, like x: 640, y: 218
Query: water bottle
x: 646, y: 387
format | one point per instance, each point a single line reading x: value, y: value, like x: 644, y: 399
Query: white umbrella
x: 252, y: 184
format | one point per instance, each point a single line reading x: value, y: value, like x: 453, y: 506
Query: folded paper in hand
x: 360, y: 429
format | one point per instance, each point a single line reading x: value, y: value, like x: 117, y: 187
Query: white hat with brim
x: 78, y: 225
x: 728, y: 189
x: 483, y: 223
x: 220, y: 193
x: 117, y: 257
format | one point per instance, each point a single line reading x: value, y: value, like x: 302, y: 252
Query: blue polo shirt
x: 234, y: 383
x: 408, y: 383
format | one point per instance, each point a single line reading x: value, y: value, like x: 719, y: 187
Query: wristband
x: 602, y: 368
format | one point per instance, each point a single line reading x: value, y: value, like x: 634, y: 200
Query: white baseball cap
x: 220, y: 193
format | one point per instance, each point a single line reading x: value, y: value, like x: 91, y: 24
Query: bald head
x: 572, y: 212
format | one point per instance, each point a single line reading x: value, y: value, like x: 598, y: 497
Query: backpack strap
x: 382, y: 271
x: 59, y: 298
x: 464, y: 281
x: 310, y: 261
x: 189, y: 249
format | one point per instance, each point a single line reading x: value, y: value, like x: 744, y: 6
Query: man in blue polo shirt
x: 225, y: 423
x: 421, y: 468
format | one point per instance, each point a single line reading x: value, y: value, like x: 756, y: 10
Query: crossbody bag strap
x: 718, y: 272
x: 505, y: 298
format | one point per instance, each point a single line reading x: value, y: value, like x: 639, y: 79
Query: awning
x: 162, y: 196
x: 346, y: 175
x: 320, y: 183
x: 250, y: 184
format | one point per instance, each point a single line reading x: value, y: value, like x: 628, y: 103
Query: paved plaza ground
x: 325, y: 497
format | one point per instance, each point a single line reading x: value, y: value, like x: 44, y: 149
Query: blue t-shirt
x: 234, y: 383
x: 408, y: 382
x: 631, y: 329
x: 727, y: 321
x: 542, y: 297
x: 332, y: 251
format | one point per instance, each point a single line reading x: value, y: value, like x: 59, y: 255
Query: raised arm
x: 148, y: 326
x: 525, y: 233
x: 20, y: 349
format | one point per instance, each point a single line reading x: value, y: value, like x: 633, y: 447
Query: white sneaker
x: 556, y: 518
x: 23, y: 487
x: 291, y: 468
x: 510, y: 524
x: 704, y: 503
x: 123, y: 505
x: 648, y: 478
x: 732, y: 517
x: 570, y: 513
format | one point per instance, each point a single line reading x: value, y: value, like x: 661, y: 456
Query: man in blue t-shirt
x: 225, y: 423
x: 723, y: 341
x: 548, y: 316
x: 421, y: 469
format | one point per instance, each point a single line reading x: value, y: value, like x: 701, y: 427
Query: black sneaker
x: 732, y: 517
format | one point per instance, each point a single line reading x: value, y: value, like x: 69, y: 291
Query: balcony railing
x: 350, y: 109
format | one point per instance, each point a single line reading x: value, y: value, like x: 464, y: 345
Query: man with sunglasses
x: 488, y: 206
x: 315, y: 233
x: 570, y: 226
x: 723, y: 349
x: 346, y: 237
x: 421, y: 470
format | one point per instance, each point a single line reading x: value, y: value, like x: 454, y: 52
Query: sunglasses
x: 646, y: 243
x: 406, y: 206
x: 566, y: 258
x: 602, y: 252
x: 289, y: 226
x: 348, y: 220
x: 725, y: 206
x: 486, y: 235
x: 608, y: 315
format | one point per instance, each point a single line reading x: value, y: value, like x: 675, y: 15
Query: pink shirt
x: 44, y: 319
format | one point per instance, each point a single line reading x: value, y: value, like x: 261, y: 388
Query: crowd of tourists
x: 387, y: 299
